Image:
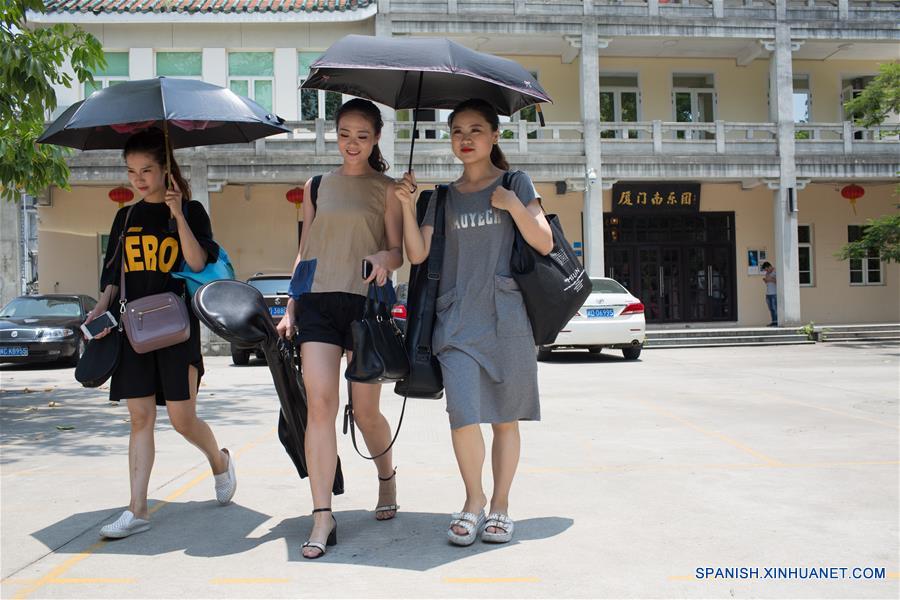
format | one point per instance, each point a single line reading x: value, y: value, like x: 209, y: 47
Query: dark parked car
x: 274, y: 289
x: 44, y: 328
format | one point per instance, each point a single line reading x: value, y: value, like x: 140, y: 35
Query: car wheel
x: 595, y: 350
x: 631, y: 353
x: 76, y: 356
x: 240, y: 357
x: 543, y: 353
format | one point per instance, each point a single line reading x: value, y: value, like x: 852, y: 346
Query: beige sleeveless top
x: 348, y: 226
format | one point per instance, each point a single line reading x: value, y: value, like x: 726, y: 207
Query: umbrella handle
x: 173, y: 225
x: 412, y: 141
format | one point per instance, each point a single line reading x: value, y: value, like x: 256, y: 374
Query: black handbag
x: 378, y: 354
x: 425, y: 379
x: 100, y: 359
x: 554, y: 286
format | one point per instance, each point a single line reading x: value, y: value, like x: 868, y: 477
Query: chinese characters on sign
x: 651, y: 198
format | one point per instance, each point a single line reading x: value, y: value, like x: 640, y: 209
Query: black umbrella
x: 237, y: 312
x: 191, y: 112
x: 422, y: 73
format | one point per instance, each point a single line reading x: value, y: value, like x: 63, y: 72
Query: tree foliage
x: 879, y: 99
x: 881, y: 236
x: 32, y: 61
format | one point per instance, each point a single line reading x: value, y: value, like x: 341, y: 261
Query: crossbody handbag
x: 554, y: 286
x: 425, y: 379
x: 152, y: 322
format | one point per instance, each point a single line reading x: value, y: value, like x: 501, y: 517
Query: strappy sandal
x: 471, y: 522
x: 387, y: 507
x: 331, y: 541
x: 499, y: 521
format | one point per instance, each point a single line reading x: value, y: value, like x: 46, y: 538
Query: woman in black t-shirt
x: 163, y: 229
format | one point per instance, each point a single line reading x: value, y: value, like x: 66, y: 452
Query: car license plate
x: 14, y: 351
x: 276, y: 311
x: 600, y: 313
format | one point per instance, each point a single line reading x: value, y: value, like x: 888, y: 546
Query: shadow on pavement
x: 585, y: 357
x: 413, y: 541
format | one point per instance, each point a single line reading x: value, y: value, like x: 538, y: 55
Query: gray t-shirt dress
x: 482, y: 336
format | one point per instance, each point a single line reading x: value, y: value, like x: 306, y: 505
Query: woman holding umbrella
x: 355, y: 217
x: 482, y: 336
x: 141, y: 236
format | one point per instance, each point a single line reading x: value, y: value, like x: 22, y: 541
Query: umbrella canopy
x: 423, y: 73
x: 200, y: 114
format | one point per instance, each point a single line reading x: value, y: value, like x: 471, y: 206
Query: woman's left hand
x: 503, y: 198
x: 173, y: 199
x: 380, y: 272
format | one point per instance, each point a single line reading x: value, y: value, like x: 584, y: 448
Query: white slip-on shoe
x: 226, y: 483
x: 124, y: 526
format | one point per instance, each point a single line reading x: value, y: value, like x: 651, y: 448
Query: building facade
x: 688, y: 142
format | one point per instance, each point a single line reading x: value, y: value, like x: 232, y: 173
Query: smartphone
x: 366, y: 269
x: 96, y: 327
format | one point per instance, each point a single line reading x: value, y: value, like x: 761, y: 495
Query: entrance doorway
x: 682, y: 267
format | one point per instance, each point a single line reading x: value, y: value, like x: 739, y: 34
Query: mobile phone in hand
x: 366, y: 269
x: 96, y: 327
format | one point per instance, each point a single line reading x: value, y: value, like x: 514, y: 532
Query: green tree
x: 879, y: 100
x: 31, y: 62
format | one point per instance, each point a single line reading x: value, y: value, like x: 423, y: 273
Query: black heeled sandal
x: 387, y: 507
x: 331, y: 541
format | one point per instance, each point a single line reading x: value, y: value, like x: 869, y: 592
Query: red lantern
x: 852, y: 193
x: 295, y: 197
x: 121, y: 195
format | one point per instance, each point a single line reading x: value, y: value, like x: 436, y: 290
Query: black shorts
x: 163, y: 372
x: 326, y: 317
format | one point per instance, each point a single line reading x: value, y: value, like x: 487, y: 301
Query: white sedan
x: 610, y: 318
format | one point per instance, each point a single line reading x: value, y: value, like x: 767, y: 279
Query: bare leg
x: 468, y: 445
x: 183, y: 416
x: 141, y: 452
x: 377, y: 435
x: 504, y: 460
x: 321, y: 376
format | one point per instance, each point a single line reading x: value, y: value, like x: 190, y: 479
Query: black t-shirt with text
x: 151, y: 251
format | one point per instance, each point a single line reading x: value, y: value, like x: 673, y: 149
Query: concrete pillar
x: 388, y: 115
x: 590, y: 115
x: 10, y: 249
x: 287, y: 95
x: 786, y: 259
x: 141, y: 63
x: 215, y: 66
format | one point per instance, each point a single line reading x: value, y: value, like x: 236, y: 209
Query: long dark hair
x: 486, y: 110
x: 368, y: 110
x: 153, y: 142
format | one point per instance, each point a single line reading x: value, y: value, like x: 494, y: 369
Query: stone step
x: 729, y: 343
x: 659, y: 334
x: 891, y: 327
x: 859, y: 336
x: 742, y: 340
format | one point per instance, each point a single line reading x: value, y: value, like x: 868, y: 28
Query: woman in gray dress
x: 482, y: 336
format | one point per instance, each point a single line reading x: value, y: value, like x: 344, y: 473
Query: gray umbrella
x: 193, y: 113
x: 422, y: 73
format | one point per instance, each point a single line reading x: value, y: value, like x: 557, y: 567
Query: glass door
x: 693, y: 101
x: 660, y: 283
x: 709, y: 283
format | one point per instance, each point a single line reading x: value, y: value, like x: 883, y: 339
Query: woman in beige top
x: 356, y: 217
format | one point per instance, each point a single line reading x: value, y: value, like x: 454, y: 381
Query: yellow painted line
x: 842, y: 413
x: 491, y: 580
x: 893, y: 575
x: 711, y: 466
x: 759, y: 455
x: 18, y: 581
x: 56, y: 573
x: 247, y: 580
x: 94, y: 580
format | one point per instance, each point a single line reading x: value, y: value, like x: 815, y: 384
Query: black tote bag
x: 425, y: 379
x: 554, y: 286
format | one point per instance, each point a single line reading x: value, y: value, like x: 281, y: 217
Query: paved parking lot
x: 782, y: 460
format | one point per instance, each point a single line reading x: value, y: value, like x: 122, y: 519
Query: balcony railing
x: 796, y: 9
x: 562, y: 139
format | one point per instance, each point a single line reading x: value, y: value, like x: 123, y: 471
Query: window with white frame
x: 315, y: 104
x: 694, y: 101
x: 183, y: 65
x: 802, y: 105
x: 620, y: 99
x: 868, y: 270
x: 116, y: 71
x: 805, y: 247
x: 252, y: 74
